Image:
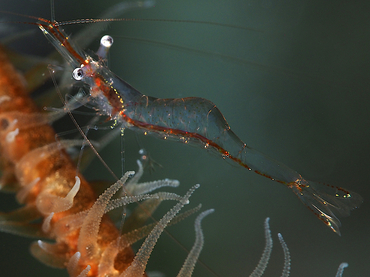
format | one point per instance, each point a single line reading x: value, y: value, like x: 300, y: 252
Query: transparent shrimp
x: 190, y: 119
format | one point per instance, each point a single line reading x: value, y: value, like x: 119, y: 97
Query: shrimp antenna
x: 97, y: 20
x: 146, y: 4
x: 26, y: 16
x: 52, y: 11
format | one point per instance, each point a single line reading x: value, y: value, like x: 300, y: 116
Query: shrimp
x: 189, y: 119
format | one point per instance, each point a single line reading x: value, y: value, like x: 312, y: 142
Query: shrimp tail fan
x: 327, y: 202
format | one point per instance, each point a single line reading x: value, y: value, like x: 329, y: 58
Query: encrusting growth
x: 41, y: 172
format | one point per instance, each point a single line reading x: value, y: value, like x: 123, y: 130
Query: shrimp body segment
x: 195, y: 119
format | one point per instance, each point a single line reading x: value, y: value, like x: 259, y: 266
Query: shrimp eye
x: 78, y: 74
x: 106, y: 41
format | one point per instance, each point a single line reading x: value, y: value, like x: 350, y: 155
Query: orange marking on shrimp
x: 177, y: 132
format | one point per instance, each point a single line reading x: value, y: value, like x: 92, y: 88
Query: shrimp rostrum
x: 190, y: 119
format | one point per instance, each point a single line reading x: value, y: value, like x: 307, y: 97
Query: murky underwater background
x: 295, y: 88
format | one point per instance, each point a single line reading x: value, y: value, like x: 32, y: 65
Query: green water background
x: 297, y: 90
